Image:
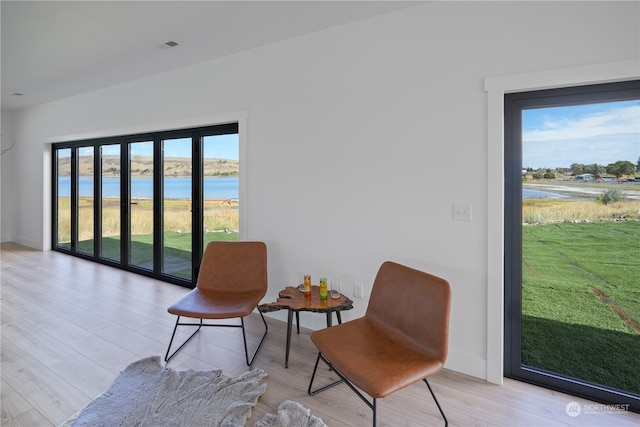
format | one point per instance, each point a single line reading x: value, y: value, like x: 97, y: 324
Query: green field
x: 176, y: 245
x: 581, y: 301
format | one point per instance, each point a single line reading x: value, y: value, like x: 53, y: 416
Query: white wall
x: 359, y: 139
x: 7, y: 189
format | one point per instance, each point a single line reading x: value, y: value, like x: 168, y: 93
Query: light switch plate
x: 462, y: 212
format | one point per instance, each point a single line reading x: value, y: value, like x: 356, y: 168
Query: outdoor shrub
x: 610, y: 196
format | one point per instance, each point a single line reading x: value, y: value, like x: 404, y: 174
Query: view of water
x: 174, y: 188
x: 538, y: 194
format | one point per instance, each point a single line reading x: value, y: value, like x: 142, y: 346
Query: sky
x: 601, y: 133
x: 218, y: 146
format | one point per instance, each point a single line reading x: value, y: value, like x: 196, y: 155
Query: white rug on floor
x: 291, y: 414
x: 146, y: 394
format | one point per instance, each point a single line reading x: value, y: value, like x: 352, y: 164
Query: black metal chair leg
x: 199, y: 325
x: 373, y: 407
x: 313, y: 375
x: 249, y: 361
x: 446, y: 423
x: 315, y: 368
x: 244, y: 337
x: 371, y: 404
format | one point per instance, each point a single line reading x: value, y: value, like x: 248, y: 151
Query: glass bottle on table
x: 323, y: 288
x: 307, y: 284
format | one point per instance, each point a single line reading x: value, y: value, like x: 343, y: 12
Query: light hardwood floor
x: 69, y: 327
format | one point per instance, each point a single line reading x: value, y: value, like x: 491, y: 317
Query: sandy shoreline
x: 580, y: 191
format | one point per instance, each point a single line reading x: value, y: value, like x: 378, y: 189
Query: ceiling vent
x: 168, y: 45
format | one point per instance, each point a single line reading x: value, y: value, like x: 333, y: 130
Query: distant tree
x: 621, y: 167
x: 577, y: 168
x: 595, y: 169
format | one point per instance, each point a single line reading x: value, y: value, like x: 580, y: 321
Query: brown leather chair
x: 402, y: 338
x: 231, y: 282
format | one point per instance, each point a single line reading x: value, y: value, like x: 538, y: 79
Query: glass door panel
x: 141, y: 218
x: 220, y: 188
x: 110, y: 203
x: 572, y: 215
x: 580, y: 250
x: 63, y: 201
x: 177, y: 207
x: 85, y: 200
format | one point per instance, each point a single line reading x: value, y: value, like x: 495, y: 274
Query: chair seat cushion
x: 216, y: 305
x: 373, y: 358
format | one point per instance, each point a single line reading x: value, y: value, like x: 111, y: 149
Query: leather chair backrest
x: 233, y: 267
x: 413, y: 305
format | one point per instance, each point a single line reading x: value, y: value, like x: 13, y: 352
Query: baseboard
x: 27, y: 242
x: 467, y: 365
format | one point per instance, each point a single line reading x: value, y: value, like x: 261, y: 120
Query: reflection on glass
x: 110, y: 183
x: 141, y: 204
x: 177, y: 207
x: 220, y: 186
x: 85, y: 200
x: 64, y: 198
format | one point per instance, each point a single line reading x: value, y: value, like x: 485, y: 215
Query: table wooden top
x: 292, y: 298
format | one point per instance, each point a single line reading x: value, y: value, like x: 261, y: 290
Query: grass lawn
x: 176, y: 246
x: 581, y: 301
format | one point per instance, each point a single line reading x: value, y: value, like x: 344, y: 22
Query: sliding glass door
x: 62, y: 198
x: 147, y: 203
x: 141, y: 204
x: 177, y: 188
x: 110, y: 219
x: 86, y: 200
x: 572, y: 222
x: 220, y: 188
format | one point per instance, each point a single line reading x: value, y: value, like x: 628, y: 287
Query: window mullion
x: 158, y: 206
x: 97, y: 197
x: 197, y: 212
x: 74, y: 199
x: 124, y: 203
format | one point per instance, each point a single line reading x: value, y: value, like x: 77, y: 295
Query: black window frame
x: 514, y: 103
x: 196, y: 135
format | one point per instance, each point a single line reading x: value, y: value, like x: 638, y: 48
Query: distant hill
x: 143, y: 166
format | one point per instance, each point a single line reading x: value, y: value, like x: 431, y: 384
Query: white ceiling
x: 56, y: 49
